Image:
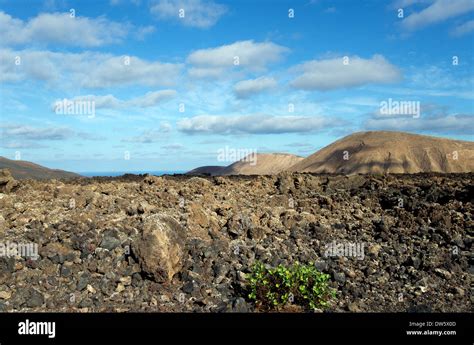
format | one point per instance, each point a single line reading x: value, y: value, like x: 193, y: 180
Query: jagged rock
x: 160, y: 250
x: 240, y: 306
x: 5, y: 295
x: 152, y: 180
x: 443, y: 273
x: 35, y: 299
x: 7, y: 182
x: 284, y: 183
x: 3, y: 226
x: 199, y: 181
x: 83, y: 281
x: 190, y: 243
x: 111, y: 240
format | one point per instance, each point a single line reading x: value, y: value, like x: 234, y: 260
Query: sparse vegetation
x: 303, y: 285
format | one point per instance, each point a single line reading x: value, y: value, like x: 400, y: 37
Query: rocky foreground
x: 180, y: 243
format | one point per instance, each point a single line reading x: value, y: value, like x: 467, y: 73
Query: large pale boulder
x: 160, y: 250
x: 7, y: 182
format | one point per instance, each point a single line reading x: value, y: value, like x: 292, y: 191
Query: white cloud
x: 24, y: 136
x: 88, y: 69
x: 21, y: 145
x: 61, y: 28
x: 150, y: 99
x: 34, y: 133
x: 250, y: 55
x: 433, y: 81
x: 165, y: 127
x: 252, y: 124
x: 151, y: 135
x: 101, y: 102
x: 464, y: 28
x: 247, y: 88
x: 443, y: 124
x: 438, y: 11
x: 207, y: 72
x: 437, y: 93
x: 361, y: 101
x: 173, y: 147
x: 19, y: 65
x: 121, y: 2
x: 197, y: 13
x: 333, y: 74
x: 144, y: 31
x: 406, y: 3
x: 116, y: 71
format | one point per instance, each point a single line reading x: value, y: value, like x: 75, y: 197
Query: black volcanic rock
x: 195, y: 239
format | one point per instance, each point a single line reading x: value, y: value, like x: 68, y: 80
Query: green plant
x: 303, y: 285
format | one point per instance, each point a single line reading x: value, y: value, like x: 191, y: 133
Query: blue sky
x: 169, y: 91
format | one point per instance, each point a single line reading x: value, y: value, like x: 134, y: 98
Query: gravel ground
x: 181, y: 243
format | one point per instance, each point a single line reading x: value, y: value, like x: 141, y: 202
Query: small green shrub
x: 303, y: 285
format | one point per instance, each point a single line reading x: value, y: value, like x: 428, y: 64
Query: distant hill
x: 207, y: 170
x: 264, y: 164
x: 257, y: 164
x: 390, y: 152
x: 24, y: 170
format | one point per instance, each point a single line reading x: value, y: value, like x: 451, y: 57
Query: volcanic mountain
x: 262, y: 164
x: 253, y: 164
x: 207, y: 170
x: 23, y: 170
x: 390, y: 152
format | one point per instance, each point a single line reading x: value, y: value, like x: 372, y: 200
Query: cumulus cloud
x: 151, y: 135
x: 207, y: 72
x: 15, y: 145
x: 406, y: 3
x: 144, y: 31
x: 247, y: 88
x: 34, y: 133
x: 252, y: 124
x: 26, y: 64
x: 87, y: 69
x: 150, y: 99
x: 441, y: 124
x: 250, y: 55
x: 61, y: 28
x: 333, y: 73
x: 438, y: 11
x: 173, y: 147
x: 100, y: 102
x: 25, y: 136
x: 197, y: 13
x: 463, y: 29
x: 124, y: 70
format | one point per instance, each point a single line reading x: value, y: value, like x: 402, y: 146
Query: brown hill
x: 24, y: 170
x: 390, y: 152
x: 207, y: 170
x: 262, y: 164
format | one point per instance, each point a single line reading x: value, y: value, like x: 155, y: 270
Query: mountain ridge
x: 390, y: 152
x: 24, y: 169
x: 368, y: 152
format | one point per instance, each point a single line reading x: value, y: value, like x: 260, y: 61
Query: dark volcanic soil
x: 180, y: 243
